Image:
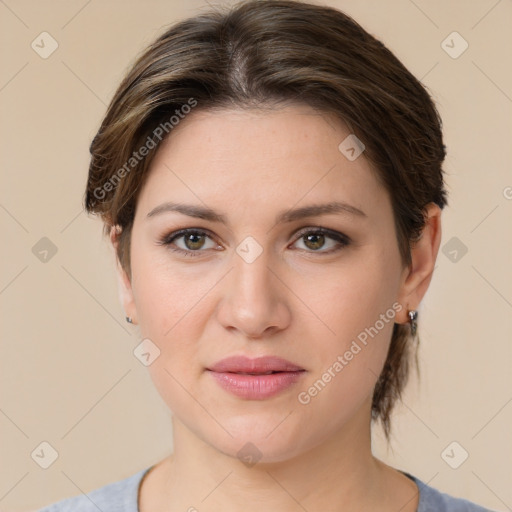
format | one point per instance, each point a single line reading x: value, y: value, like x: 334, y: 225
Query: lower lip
x: 256, y: 387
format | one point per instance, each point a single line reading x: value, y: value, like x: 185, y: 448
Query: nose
x: 254, y: 300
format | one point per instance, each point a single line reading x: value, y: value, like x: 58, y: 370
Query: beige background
x: 68, y: 375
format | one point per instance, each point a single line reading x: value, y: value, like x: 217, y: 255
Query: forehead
x: 229, y: 134
x: 261, y: 159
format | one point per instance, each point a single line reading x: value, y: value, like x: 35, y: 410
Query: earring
x: 129, y: 320
x: 413, y: 320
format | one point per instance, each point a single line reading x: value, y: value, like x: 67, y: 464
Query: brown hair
x: 260, y: 54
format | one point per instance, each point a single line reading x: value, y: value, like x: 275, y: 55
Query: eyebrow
x: 205, y: 213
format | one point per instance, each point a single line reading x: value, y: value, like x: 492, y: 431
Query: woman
x: 271, y: 180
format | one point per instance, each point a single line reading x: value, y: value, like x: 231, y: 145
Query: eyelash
x: 342, y: 239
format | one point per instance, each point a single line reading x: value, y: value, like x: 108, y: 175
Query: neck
x: 340, y: 470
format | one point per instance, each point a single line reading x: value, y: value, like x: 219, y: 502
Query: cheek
x: 167, y: 296
x: 357, y: 313
x: 171, y: 311
x: 351, y: 298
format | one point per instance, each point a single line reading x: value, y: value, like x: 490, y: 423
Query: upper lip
x: 243, y: 364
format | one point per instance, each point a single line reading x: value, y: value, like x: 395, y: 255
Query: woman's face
x: 263, y: 281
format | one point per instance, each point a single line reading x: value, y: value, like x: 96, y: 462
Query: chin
x: 261, y: 440
x: 258, y: 451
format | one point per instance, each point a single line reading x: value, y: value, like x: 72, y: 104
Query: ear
x: 416, y: 278
x: 124, y: 285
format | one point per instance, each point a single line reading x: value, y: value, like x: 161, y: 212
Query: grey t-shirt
x: 122, y: 496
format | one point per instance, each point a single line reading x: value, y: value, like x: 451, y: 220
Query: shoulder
x: 120, y: 496
x: 432, y: 500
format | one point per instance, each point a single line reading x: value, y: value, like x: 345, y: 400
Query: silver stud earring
x: 129, y: 320
x: 413, y: 320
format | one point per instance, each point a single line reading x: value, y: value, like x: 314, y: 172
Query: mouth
x: 265, y: 365
x: 256, y: 373
x: 255, y: 379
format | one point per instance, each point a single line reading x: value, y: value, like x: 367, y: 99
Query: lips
x: 265, y: 365
x: 255, y: 379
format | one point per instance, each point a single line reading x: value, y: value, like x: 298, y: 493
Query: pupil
x: 191, y: 244
x: 318, y: 243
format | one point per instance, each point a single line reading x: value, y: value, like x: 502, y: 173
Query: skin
x: 293, y: 301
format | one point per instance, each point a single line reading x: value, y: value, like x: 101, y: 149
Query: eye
x: 315, y: 239
x: 192, y: 241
